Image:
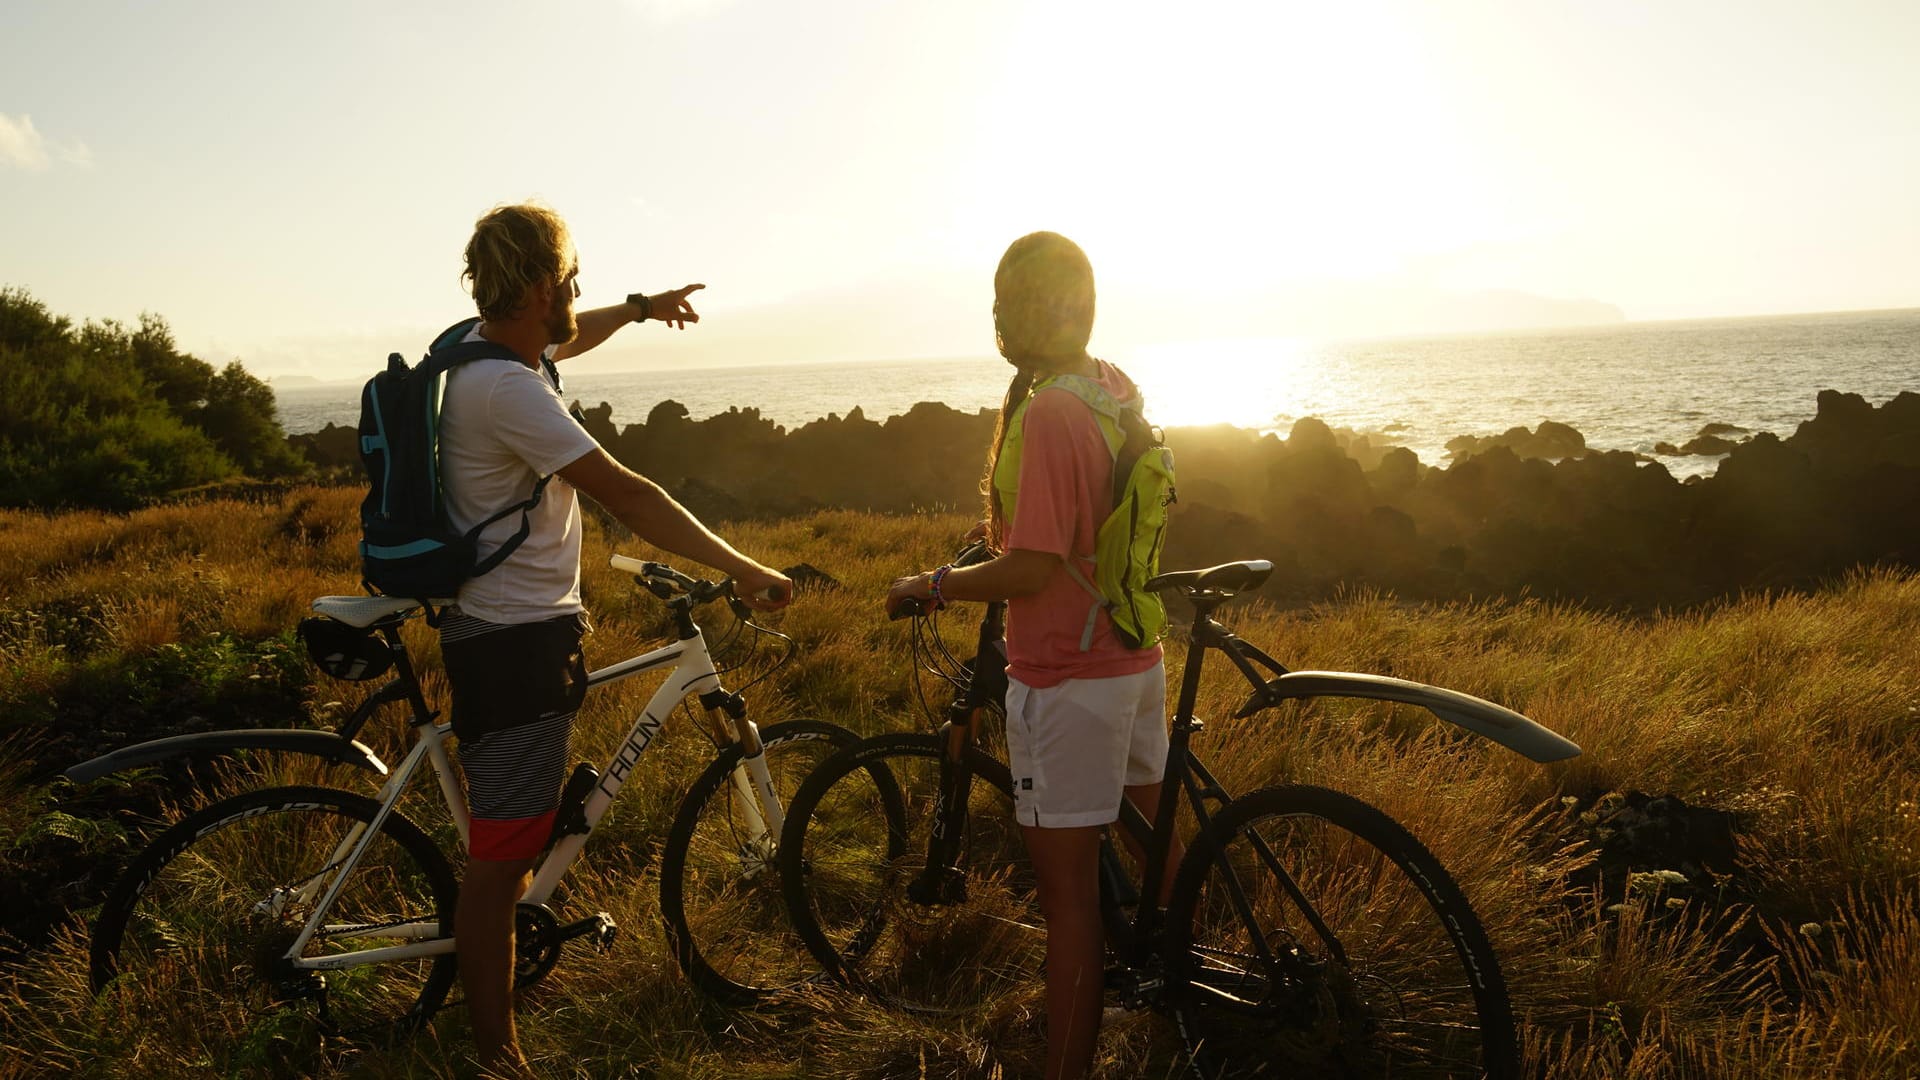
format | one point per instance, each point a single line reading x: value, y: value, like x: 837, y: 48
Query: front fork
x: 942, y: 880
x: 755, y: 799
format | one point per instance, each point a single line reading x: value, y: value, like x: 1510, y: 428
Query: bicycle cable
x: 786, y: 656
x: 933, y: 657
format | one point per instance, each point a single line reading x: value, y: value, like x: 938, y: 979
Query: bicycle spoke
x: 202, y: 946
x: 1308, y: 949
x: 719, y: 882
x: 863, y: 899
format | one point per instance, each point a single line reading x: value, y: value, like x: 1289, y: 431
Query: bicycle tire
x: 185, y: 920
x: 1398, y: 978
x: 856, y: 837
x: 720, y: 898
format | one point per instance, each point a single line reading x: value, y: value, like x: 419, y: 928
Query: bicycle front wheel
x: 198, y: 928
x: 1311, y: 935
x: 854, y: 862
x: 719, y: 887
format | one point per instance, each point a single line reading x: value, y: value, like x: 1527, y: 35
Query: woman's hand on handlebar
x: 910, y: 596
x: 919, y: 594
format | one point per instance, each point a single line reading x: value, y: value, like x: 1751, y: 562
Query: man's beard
x: 561, y: 328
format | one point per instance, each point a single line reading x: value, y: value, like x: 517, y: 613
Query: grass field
x: 1796, y: 952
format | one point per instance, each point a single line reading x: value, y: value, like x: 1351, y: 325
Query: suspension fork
x: 941, y: 880
x: 751, y: 780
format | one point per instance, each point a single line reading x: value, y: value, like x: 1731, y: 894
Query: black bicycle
x: 1307, y: 934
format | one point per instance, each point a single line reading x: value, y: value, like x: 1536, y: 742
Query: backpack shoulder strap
x: 453, y: 335
x: 1087, y: 390
x: 450, y: 349
x: 1097, y: 398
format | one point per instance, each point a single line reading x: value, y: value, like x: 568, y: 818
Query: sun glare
x: 1246, y: 152
x: 1258, y: 383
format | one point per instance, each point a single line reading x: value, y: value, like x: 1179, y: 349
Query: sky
x: 292, y: 184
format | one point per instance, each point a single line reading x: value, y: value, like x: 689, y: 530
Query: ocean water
x: 1624, y: 387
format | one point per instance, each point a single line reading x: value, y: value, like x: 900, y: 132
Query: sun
x: 1239, y: 149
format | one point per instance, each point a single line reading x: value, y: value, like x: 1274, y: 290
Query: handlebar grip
x: 773, y: 594
x: 973, y: 554
x: 908, y: 608
x: 655, y: 574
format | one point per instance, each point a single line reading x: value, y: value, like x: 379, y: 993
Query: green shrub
x: 111, y: 418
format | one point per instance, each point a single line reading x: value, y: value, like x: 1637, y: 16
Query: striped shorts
x: 516, y: 689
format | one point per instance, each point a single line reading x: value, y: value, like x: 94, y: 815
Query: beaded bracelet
x: 933, y: 585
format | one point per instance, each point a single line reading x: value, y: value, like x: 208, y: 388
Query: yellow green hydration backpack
x: 1126, y: 548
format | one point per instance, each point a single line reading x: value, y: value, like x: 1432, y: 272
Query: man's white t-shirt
x: 502, y: 427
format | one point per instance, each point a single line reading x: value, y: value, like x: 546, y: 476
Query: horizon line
x: 1413, y: 335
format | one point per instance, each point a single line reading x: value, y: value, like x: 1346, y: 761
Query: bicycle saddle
x: 363, y: 611
x: 1230, y: 577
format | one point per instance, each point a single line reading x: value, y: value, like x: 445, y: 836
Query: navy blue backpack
x: 408, y: 547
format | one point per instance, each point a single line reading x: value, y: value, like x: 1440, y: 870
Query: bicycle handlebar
x: 662, y: 580
x: 972, y: 554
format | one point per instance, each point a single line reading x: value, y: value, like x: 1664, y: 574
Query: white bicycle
x: 323, y: 899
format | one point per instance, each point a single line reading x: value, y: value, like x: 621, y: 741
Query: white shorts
x: 1073, y: 747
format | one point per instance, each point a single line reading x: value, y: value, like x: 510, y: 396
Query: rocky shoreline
x: 1524, y: 513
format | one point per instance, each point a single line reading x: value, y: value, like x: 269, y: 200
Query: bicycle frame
x: 692, y: 674
x: 1141, y: 938
x: 1187, y: 774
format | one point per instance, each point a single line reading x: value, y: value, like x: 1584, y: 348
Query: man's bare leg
x: 483, y: 925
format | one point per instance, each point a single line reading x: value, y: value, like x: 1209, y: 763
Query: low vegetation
x: 1782, y: 939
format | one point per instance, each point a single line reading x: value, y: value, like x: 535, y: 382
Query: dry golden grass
x: 1800, y: 713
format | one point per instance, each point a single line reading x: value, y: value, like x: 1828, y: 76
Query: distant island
x: 1513, y: 310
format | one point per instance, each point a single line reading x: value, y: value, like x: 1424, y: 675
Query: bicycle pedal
x: 1134, y: 988
x: 599, y: 926
x: 306, y: 985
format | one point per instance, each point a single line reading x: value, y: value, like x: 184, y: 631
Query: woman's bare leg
x: 1066, y: 867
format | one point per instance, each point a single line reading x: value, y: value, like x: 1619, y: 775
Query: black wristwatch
x: 644, y: 303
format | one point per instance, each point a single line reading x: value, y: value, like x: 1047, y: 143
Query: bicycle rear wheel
x: 1311, y: 935
x: 853, y: 859
x: 197, y: 927
x: 719, y: 888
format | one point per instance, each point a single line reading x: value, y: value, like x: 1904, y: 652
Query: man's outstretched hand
x: 671, y: 307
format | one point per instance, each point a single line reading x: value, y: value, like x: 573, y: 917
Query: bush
x: 112, y: 418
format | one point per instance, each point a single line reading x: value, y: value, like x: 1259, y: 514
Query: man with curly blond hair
x: 512, y: 643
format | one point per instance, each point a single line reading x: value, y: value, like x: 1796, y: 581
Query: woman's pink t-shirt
x: 1066, y: 490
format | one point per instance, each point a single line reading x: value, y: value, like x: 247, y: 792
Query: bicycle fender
x: 1482, y: 717
x: 321, y: 744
